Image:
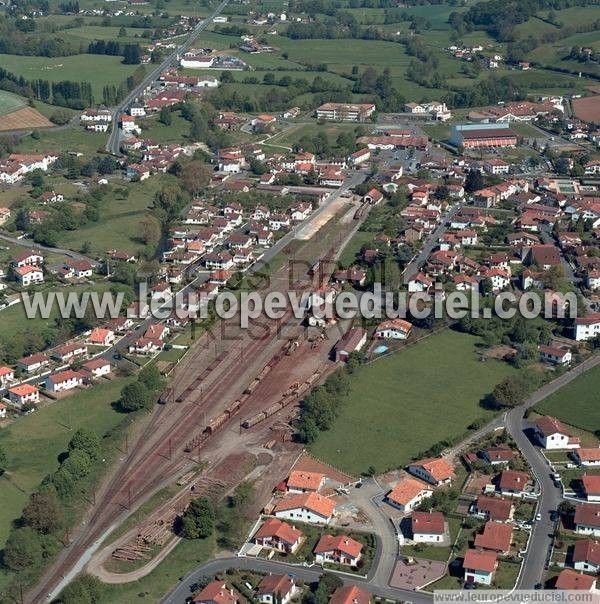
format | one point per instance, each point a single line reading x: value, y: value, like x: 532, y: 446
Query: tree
x: 474, y: 181
x: 195, y: 176
x: 151, y: 378
x: 510, y: 392
x: 165, y: 117
x: 22, y: 550
x: 150, y: 230
x: 78, y: 463
x: 134, y: 397
x: 3, y: 461
x: 85, y: 589
x: 87, y: 441
x: 44, y: 512
x: 198, y: 519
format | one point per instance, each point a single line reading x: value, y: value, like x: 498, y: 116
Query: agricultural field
x: 10, y: 102
x: 89, y: 33
x: 71, y: 139
x: 577, y: 402
x: 407, y: 393
x: 100, y: 70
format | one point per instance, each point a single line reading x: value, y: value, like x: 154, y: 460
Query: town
x: 171, y: 155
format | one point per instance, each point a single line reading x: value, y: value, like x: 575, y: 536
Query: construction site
x: 234, y: 393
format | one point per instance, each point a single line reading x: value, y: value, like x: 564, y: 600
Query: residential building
x: 586, y: 555
x: 408, y: 494
x: 28, y: 275
x: 23, y: 394
x: 587, y: 327
x: 394, y: 329
x: 493, y: 508
x: 275, y: 589
x: 587, y: 456
x: 306, y: 507
x: 428, y: 527
x: 101, y: 337
x: 338, y: 550
x: 278, y: 535
x: 591, y: 487
x: 436, y: 470
x: 587, y: 519
x: 350, y: 594
x: 552, y: 434
x: 556, y: 355
x: 496, y: 537
x: 95, y: 368
x: 7, y: 375
x: 63, y: 380
x: 217, y: 592
x: 353, y: 341
x: 513, y: 483
x: 498, y: 455
x: 479, y: 566
x: 304, y: 482
x: 571, y: 580
x: 345, y: 112
x: 33, y: 363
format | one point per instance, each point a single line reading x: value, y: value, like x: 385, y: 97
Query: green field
x: 34, y: 442
x: 401, y: 405
x: 89, y: 33
x: 576, y: 403
x: 10, y: 102
x: 100, y: 70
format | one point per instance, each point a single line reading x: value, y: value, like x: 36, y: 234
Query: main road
x: 113, y: 142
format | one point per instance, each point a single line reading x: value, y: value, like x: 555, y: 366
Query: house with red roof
x: 555, y: 355
x: 7, y: 375
x: 590, y: 485
x: 373, y: 197
x: 306, y: 507
x: 33, y: 363
x: 28, y: 275
x: 217, y: 592
x: 479, y: 566
x: 23, y: 394
x: 95, y: 368
x: 394, y: 329
x: 498, y: 455
x: 350, y: 594
x: 276, y: 589
x: 304, y: 482
x: 435, y: 470
x: 514, y: 483
x: 493, y: 508
x: 63, y: 381
x: 570, y: 580
x: 551, y: 433
x: 101, y: 337
x: 586, y: 555
x: 338, y: 550
x: 587, y: 519
x: 428, y: 527
x: 586, y: 456
x: 2, y: 411
x: 278, y: 535
x: 408, y: 493
x: 496, y: 537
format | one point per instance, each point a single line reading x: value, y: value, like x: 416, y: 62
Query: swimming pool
x: 380, y: 349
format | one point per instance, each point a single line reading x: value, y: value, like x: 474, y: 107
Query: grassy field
x: 10, y: 102
x: 89, y: 33
x: 69, y: 139
x: 100, y: 70
x: 348, y: 256
x: 34, y: 442
x: 577, y: 402
x: 415, y: 398
x: 118, y: 226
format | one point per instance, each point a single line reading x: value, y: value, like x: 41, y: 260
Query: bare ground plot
x: 27, y: 117
x: 416, y: 574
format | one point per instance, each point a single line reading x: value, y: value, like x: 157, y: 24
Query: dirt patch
x: 417, y: 574
x: 476, y: 483
x: 499, y: 352
x: 22, y: 119
x: 323, y: 218
x: 587, y: 108
x: 307, y: 463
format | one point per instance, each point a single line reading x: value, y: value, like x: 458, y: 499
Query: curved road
x: 370, y: 496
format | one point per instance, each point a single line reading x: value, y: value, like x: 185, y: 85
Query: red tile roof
x: 548, y: 425
x: 311, y: 501
x: 275, y: 584
x: 587, y: 514
x: 495, y: 536
x: 513, y: 480
x: 305, y: 480
x: 430, y: 523
x: 406, y: 490
x: 481, y: 561
x: 570, y: 579
x: 591, y: 484
x: 273, y: 527
x: 342, y: 543
x: 350, y: 594
x: 586, y: 550
x: 496, y: 507
x: 588, y: 454
x: 439, y: 468
x: 216, y: 591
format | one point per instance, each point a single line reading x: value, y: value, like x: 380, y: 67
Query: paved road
x: 113, y: 142
x: 414, y: 266
x: 28, y: 243
x: 550, y: 496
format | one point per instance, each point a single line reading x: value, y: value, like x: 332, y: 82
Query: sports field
x: 576, y: 403
x: 415, y: 398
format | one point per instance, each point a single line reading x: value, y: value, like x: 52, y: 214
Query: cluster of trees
x: 485, y: 92
x: 35, y: 538
x: 321, y: 406
x: 320, y: 593
x: 131, y: 53
x: 198, y: 520
x: 323, y: 146
x: 513, y: 390
x: 144, y: 392
x: 342, y: 25
x: 372, y: 82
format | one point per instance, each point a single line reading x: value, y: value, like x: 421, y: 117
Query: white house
x: 436, y: 470
x: 64, y: 380
x: 2, y: 411
x: 96, y: 368
x: 394, y: 329
x: 33, y: 363
x: 428, y: 527
x: 306, y: 507
x: 23, y: 394
x: 408, y: 494
x: 587, y: 519
x: 276, y: 589
x: 29, y: 275
x: 278, y: 535
x: 7, y: 375
x: 557, y: 355
x: 479, y: 566
x: 338, y: 550
x: 552, y: 434
x: 587, y: 456
x: 586, y: 555
x: 588, y: 327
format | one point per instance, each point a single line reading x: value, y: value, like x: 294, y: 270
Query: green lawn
x: 34, y: 442
x: 10, y: 102
x: 69, y: 139
x: 100, y: 70
x: 576, y: 403
x: 401, y: 405
x: 348, y: 257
